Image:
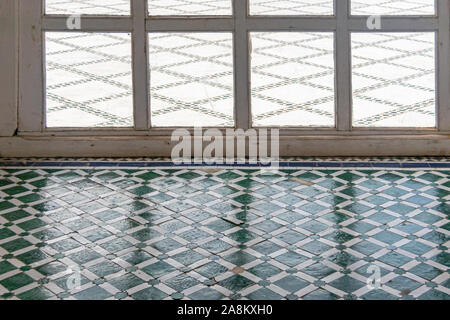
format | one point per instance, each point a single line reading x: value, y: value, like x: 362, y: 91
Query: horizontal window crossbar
x: 253, y: 23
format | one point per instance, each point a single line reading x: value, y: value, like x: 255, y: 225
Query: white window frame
x: 343, y: 139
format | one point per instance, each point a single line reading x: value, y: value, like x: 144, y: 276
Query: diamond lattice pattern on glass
x: 393, y: 7
x: 189, y: 7
x: 191, y: 79
x: 291, y: 7
x: 293, y: 79
x: 88, y: 80
x: 97, y: 7
x: 394, y: 80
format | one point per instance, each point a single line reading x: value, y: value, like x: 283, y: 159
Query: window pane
x: 293, y: 79
x: 394, y: 80
x: 291, y: 7
x: 107, y: 7
x: 191, y: 79
x: 393, y: 7
x: 88, y: 80
x: 189, y: 7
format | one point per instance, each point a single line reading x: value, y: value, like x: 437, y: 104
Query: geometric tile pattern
x: 174, y: 233
x: 88, y: 79
x: 394, y: 79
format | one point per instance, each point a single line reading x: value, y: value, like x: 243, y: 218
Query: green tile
x: 126, y: 282
x: 267, y: 247
x: 320, y: 294
x: 347, y: 284
x: 395, y: 259
x: 5, y: 267
x: 291, y: 237
x: 403, y: 284
x: 16, y: 215
x: 264, y: 270
x: 15, y: 190
x: 188, y: 257
x: 79, y: 224
x: 240, y: 258
x: 243, y: 236
x: 264, y: 294
x: 434, y: 295
x: 236, y: 283
x: 52, y: 268
x: 145, y: 234
x: 194, y: 235
x: 436, y: 237
x: 136, y: 257
x: 291, y: 259
x: 158, y: 269
x: 181, y: 282
x: 314, y: 226
x: 5, y: 233
x: 84, y: 256
x: 166, y: 245
x: 339, y: 237
x: 416, y: 247
x: 292, y: 284
x: 38, y: 293
x: 17, y: 281
x: 425, y: 271
x: 206, y: 294
x: 316, y: 247
x: 105, y: 268
x: 442, y: 258
x: 388, y: 237
x: 211, y: 270
x: 15, y: 245
x: 32, y: 256
x: 379, y: 295
x: 220, y: 225
x: 116, y: 245
x: 93, y: 293
x: 151, y: 293
x: 318, y: 270
x: 367, y: 248
x: 343, y: 259
x: 267, y: 226
x: 96, y: 234
x: 215, y: 246
x: 65, y: 245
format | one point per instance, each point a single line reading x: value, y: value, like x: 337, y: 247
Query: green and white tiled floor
x: 171, y: 233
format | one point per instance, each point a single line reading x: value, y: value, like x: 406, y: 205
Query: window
x: 308, y: 67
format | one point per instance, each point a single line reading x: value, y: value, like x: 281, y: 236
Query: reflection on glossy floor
x: 173, y: 233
